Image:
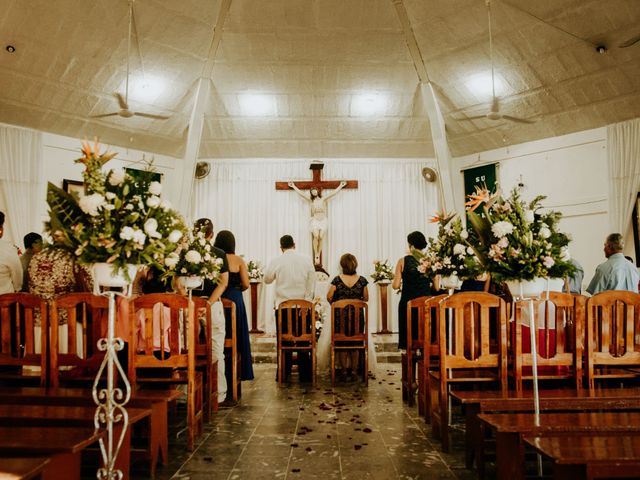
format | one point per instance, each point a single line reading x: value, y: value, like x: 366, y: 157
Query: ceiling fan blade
x: 517, y: 119
x: 114, y: 114
x: 150, y: 115
x: 631, y: 41
x: 121, y: 101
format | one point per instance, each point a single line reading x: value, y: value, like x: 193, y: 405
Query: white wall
x: 571, y: 171
x: 60, y: 152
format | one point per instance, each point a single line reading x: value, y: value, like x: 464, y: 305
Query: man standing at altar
x: 295, y: 279
x: 617, y: 273
x: 10, y: 267
x: 214, y: 292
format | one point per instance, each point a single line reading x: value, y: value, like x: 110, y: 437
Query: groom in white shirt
x: 295, y: 278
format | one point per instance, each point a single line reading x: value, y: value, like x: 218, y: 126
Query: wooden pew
x: 156, y: 400
x: 62, y: 445
x: 476, y: 402
x: 22, y: 468
x: 37, y: 416
x: 590, y: 457
x: 509, y: 429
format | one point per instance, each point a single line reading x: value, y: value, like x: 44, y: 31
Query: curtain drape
x: 623, y: 155
x: 371, y: 222
x: 21, y: 180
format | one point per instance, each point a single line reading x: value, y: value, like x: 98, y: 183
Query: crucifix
x: 318, y: 223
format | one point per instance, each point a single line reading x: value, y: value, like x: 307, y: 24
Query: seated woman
x: 348, y: 286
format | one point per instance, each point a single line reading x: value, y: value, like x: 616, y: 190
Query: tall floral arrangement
x: 516, y: 240
x: 449, y: 254
x: 120, y: 220
x: 382, y: 271
x: 195, y: 256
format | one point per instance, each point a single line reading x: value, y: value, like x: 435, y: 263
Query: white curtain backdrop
x: 21, y: 181
x: 371, y: 222
x: 623, y: 154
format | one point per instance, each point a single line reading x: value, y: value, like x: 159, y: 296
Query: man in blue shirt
x: 617, y: 273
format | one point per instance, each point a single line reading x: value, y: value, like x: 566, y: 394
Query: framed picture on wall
x: 71, y: 186
x: 144, y: 175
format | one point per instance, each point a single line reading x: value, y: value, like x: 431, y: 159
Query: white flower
x: 500, y: 229
x: 110, y: 195
x: 151, y: 227
x: 109, y: 206
x: 155, y: 188
x: 459, y: 249
x: 117, y: 176
x: 548, y: 261
x: 318, y: 324
x: 503, y: 243
x: 218, y: 261
x: 565, y: 256
x: 464, y: 234
x: 175, y: 236
x: 171, y: 260
x: 139, y: 237
x: 470, y: 250
x: 207, y: 257
x: 128, y: 206
x: 153, y: 201
x: 193, y: 257
x: 126, y: 233
x: 91, y: 204
x: 545, y: 232
x: 202, y: 242
x: 529, y: 216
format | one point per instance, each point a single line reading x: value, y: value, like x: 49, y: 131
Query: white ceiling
x: 314, y: 59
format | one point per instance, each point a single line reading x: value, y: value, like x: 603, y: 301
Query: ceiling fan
x: 494, y: 113
x: 123, y: 102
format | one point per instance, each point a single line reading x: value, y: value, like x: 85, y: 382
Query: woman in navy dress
x: 238, y: 282
x: 414, y: 284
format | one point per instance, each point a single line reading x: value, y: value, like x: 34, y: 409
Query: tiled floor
x: 298, y: 432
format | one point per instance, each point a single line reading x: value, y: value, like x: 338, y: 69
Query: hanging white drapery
x: 21, y: 180
x: 371, y: 222
x: 623, y: 155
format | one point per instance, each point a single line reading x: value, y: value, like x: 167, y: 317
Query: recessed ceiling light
x: 368, y: 104
x: 480, y: 85
x: 10, y: 48
x: 257, y: 104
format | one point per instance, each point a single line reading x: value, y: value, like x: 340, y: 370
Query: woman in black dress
x: 348, y: 286
x: 414, y: 284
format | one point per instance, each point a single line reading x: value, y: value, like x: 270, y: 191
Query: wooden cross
x: 317, y: 181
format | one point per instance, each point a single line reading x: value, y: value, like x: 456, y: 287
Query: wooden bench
x: 509, y: 429
x: 62, y: 445
x: 476, y: 402
x: 156, y: 400
x: 22, y: 468
x: 590, y: 457
x: 36, y: 416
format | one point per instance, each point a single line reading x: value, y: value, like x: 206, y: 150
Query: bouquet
x: 255, y: 270
x: 515, y: 240
x: 120, y: 220
x: 448, y: 254
x: 382, y: 271
x: 194, y: 257
x: 321, y: 315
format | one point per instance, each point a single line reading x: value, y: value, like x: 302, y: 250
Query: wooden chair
x: 155, y: 348
x: 613, y: 336
x: 296, y: 333
x: 415, y: 347
x: 231, y: 350
x: 18, y: 339
x: 86, y: 316
x: 560, y: 325
x: 471, y: 360
x: 430, y: 355
x: 204, y: 355
x: 349, y: 320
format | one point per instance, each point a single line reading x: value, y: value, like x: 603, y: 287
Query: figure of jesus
x: 318, y: 223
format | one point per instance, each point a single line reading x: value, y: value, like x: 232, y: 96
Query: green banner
x: 483, y: 177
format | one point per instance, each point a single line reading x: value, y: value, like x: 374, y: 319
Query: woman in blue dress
x: 238, y: 282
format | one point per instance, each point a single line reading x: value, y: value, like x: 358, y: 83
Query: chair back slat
x: 349, y: 320
x: 297, y: 321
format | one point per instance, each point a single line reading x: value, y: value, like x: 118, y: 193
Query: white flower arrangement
x: 382, y: 271
x: 194, y: 257
x: 255, y: 270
